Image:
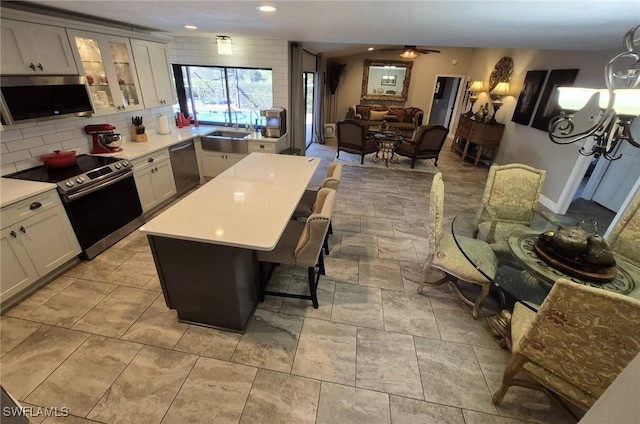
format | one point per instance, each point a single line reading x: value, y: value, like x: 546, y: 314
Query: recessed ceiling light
x: 370, y: 48
x: 268, y: 9
x: 191, y: 27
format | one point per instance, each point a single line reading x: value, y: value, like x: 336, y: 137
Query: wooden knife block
x: 136, y: 135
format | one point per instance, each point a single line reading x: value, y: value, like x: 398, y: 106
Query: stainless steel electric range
x: 100, y: 197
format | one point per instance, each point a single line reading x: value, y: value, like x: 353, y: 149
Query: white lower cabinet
x: 215, y: 163
x: 154, y: 179
x: 34, y: 243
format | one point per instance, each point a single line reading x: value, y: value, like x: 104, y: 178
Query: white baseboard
x: 550, y: 204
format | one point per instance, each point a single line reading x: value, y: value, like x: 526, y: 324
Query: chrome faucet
x: 234, y: 113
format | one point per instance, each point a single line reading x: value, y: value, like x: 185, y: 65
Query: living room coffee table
x: 386, y: 142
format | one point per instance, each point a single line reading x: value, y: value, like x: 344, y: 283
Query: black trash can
x: 291, y: 151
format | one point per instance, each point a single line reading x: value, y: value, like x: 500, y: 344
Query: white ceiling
x: 338, y: 27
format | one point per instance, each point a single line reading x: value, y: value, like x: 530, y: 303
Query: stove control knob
x: 125, y: 163
x: 117, y: 166
x: 69, y: 183
x: 79, y: 180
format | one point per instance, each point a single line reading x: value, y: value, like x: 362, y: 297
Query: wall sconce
x: 224, y: 45
x: 620, y: 105
x: 501, y: 90
x: 474, y: 88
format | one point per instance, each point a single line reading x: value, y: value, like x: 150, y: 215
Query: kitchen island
x: 204, y: 246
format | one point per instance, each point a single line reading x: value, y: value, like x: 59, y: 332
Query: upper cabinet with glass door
x: 107, y: 62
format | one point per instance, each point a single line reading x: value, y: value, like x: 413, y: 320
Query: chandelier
x: 619, y: 104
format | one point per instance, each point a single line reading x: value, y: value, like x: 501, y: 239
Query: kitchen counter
x: 204, y: 245
x: 12, y: 191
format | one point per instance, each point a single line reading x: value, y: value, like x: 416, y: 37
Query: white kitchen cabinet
x: 154, y: 73
x: 107, y: 62
x: 34, y: 49
x: 154, y: 179
x: 215, y: 163
x: 36, y: 239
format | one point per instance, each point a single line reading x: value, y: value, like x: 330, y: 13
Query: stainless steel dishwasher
x: 185, y: 166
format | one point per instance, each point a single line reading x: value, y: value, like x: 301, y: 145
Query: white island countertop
x: 247, y: 206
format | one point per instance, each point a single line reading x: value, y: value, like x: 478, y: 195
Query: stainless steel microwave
x: 276, y: 125
x: 43, y: 97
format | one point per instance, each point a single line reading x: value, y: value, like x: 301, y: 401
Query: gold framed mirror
x: 386, y: 80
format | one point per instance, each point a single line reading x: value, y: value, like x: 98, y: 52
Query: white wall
x: 526, y: 144
x: 423, y: 76
x: 247, y: 52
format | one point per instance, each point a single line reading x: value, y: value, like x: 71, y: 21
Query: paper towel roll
x: 163, y: 125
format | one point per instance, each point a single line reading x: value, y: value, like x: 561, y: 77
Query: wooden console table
x: 480, y: 134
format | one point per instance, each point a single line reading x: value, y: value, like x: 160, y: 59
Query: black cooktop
x: 43, y: 174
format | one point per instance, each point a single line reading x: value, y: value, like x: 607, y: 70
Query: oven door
x: 103, y: 214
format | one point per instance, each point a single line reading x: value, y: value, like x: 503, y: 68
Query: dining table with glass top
x: 522, y: 272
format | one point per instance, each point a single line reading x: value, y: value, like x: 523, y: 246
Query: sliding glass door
x: 308, y: 81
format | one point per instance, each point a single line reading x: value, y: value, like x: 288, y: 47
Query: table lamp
x: 474, y: 88
x: 501, y: 89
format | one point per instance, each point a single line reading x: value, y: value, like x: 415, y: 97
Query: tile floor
x: 100, y: 341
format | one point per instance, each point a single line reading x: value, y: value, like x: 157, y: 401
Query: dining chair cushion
x: 521, y: 320
x: 449, y: 258
x: 624, y: 236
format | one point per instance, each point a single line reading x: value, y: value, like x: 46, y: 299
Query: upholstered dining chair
x: 301, y: 245
x: 426, y: 143
x: 624, y: 236
x: 510, y: 197
x: 580, y: 339
x: 305, y: 206
x: 352, y: 138
x: 445, y: 255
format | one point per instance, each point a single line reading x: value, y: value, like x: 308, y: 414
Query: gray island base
x: 207, y: 284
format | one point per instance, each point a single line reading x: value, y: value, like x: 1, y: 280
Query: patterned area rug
x: 403, y: 164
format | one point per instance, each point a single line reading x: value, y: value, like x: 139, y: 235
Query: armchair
x: 579, y: 341
x: 625, y: 234
x: 425, y: 144
x: 352, y: 138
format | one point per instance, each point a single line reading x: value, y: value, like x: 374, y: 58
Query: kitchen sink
x: 226, y: 144
x: 230, y: 134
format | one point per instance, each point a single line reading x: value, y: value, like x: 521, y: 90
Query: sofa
x: 405, y: 119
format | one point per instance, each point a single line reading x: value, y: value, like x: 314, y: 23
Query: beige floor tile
x: 383, y: 273
x: 358, y: 305
x: 475, y: 417
x: 342, y: 404
x: 69, y: 305
x: 452, y: 376
x: 209, y: 342
x: 343, y: 222
x: 99, y: 268
x: 457, y: 325
x: 387, y: 362
x: 411, y: 411
x: 341, y: 268
x: 32, y: 360
x: 37, y: 299
x: 144, y: 391
x: 390, y: 211
x: 397, y: 248
x: 377, y: 226
x: 68, y: 420
x: 85, y: 376
x: 326, y: 351
x: 303, y: 307
x: 281, y: 398
x: 409, y: 313
x: 115, y: 314
x: 13, y: 331
x: 278, y: 282
x: 214, y: 392
x: 153, y: 284
x: 136, y: 271
x: 359, y: 244
x: 270, y: 341
x: 407, y: 230
x: 157, y: 326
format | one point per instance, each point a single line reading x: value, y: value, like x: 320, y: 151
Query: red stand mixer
x: 105, y: 140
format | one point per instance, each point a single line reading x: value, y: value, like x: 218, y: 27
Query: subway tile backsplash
x: 22, y: 144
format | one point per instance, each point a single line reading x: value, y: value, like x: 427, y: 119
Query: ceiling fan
x: 412, y: 52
